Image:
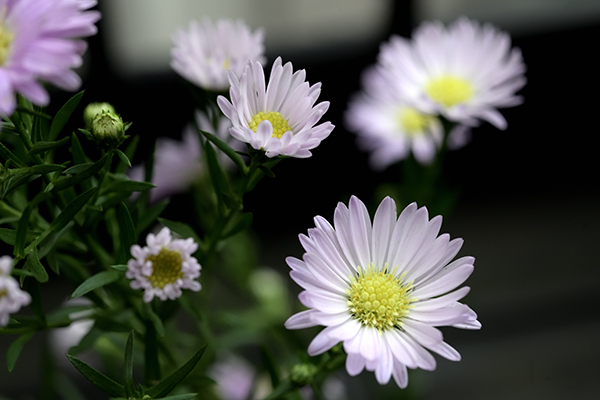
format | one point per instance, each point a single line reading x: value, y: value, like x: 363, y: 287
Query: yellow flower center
x: 412, y: 122
x: 226, y: 63
x: 166, y: 268
x: 2, y: 293
x: 280, y: 125
x: 449, y: 90
x: 6, y: 38
x: 379, y: 299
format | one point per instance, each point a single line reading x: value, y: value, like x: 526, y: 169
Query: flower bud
x: 302, y: 374
x: 93, y: 109
x: 108, y: 129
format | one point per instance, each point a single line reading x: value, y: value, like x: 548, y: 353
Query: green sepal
x: 62, y: 116
x: 244, y: 221
x: 165, y: 386
x: 224, y: 147
x: 97, y: 378
x: 14, y: 350
x: 41, y: 147
x: 97, y: 281
x: 130, y: 391
x: 180, y: 228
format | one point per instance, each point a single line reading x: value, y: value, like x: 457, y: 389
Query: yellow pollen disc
x: 226, y: 63
x: 280, y: 125
x: 379, y: 299
x: 166, y: 268
x: 449, y: 90
x: 2, y: 293
x: 6, y: 39
x: 412, y: 122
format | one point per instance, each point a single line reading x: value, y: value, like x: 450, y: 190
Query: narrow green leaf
x: 81, y: 176
x: 216, y: 173
x: 241, y: 224
x: 76, y: 169
x: 129, y: 153
x: 224, y: 147
x: 9, y: 236
x: 185, y: 396
x: 14, y: 351
x: 94, y: 282
x: 232, y: 201
x: 127, y: 234
x: 149, y: 215
x: 130, y: 391
x: 266, y: 171
x: 155, y: 319
x: 120, y: 267
x: 62, y: 116
x: 180, y: 228
x: 71, y: 210
x: 123, y: 157
x: 165, y: 386
x: 8, y: 155
x: 33, y: 287
x: 46, y: 168
x: 127, y: 186
x: 35, y: 266
x: 77, y: 150
x: 97, y: 378
x: 21, y: 272
x: 41, y: 147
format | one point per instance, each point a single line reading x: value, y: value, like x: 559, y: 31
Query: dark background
x: 528, y: 209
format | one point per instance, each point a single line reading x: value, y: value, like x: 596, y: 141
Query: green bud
x: 108, y: 129
x: 302, y: 374
x: 93, y: 109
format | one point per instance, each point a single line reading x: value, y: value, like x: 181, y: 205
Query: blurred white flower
x: 205, y: 52
x: 12, y: 298
x: 382, y: 288
x: 164, y: 266
x: 278, y: 118
x: 464, y: 72
x: 234, y: 376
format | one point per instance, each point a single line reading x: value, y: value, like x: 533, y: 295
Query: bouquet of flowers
x: 157, y: 308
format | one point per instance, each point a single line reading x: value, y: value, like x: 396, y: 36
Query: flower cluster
x: 12, y: 298
x: 164, y: 266
x: 36, y: 44
x: 382, y: 288
x: 462, y: 73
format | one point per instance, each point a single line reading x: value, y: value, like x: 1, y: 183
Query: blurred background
x: 528, y: 209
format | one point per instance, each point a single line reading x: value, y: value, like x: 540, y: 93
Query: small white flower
x: 388, y: 126
x: 205, y: 52
x: 382, y: 288
x: 279, y: 118
x: 164, y: 266
x: 12, y: 298
x: 464, y: 72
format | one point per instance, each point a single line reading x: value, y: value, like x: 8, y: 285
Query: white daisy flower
x: 12, y: 298
x: 205, y: 52
x: 280, y: 117
x: 464, y: 72
x: 164, y: 266
x: 382, y: 288
x: 387, y: 126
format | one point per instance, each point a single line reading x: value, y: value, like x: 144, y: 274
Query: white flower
x: 12, y: 298
x: 164, y: 266
x: 280, y: 117
x: 205, y: 52
x: 464, y: 72
x: 388, y: 126
x: 382, y: 288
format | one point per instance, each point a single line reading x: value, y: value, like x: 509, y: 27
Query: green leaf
x: 266, y: 171
x: 123, y: 157
x: 216, y: 173
x: 180, y: 228
x: 149, y: 215
x: 241, y: 224
x: 120, y: 267
x: 46, y: 168
x: 127, y: 186
x: 232, y: 201
x: 97, y: 378
x: 77, y: 150
x: 185, y: 396
x: 41, y: 147
x: 94, y: 282
x: 23, y: 225
x: 127, y: 234
x: 33, y: 287
x: 9, y: 236
x: 62, y: 116
x: 165, y: 386
x: 155, y: 319
x: 35, y: 266
x: 81, y: 176
x: 14, y: 351
x: 8, y: 155
x: 79, y: 168
x: 130, y: 391
x: 224, y: 147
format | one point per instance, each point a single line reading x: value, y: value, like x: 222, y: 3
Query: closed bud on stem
x: 108, y: 129
x: 93, y: 109
x: 302, y: 374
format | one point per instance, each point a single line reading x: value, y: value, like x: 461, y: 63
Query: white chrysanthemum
x: 164, y: 266
x: 382, y: 288
x: 12, y: 298
x: 464, y: 72
x: 388, y: 126
x: 280, y: 117
x: 205, y: 52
